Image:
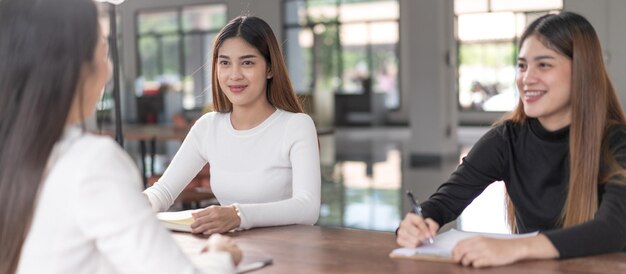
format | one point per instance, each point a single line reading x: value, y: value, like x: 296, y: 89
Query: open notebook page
x: 441, y: 249
x: 177, y: 220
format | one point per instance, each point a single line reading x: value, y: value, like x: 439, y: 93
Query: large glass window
x: 343, y: 47
x: 173, y: 48
x: 487, y: 36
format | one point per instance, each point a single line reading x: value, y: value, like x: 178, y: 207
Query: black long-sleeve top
x: 534, y: 165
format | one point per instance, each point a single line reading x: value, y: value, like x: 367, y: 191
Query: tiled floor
x: 366, y: 173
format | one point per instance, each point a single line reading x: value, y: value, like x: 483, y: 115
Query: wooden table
x: 313, y: 249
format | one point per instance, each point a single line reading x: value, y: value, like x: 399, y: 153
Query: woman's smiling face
x: 242, y: 73
x: 544, y: 80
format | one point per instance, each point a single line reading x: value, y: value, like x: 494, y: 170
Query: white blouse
x: 272, y: 171
x: 91, y: 217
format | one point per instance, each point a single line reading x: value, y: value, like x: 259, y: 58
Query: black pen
x: 417, y: 209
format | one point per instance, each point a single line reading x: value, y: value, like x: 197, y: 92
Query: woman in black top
x: 561, y: 154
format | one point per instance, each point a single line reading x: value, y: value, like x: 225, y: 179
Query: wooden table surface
x: 314, y: 249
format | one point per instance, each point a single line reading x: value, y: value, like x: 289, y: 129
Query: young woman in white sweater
x: 71, y: 202
x: 262, y: 150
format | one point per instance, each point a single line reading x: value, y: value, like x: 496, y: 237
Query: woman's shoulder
x: 93, y: 142
x: 505, y: 129
x: 504, y: 132
x: 295, y: 116
x: 209, y: 121
x: 87, y: 153
x: 297, y: 120
x: 617, y: 129
x: 616, y: 134
x: 103, y: 147
x: 510, y: 125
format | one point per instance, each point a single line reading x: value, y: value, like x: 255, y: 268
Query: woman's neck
x: 554, y: 124
x: 247, y: 118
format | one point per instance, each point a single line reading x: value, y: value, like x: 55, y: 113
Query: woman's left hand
x: 215, y: 219
x: 482, y: 252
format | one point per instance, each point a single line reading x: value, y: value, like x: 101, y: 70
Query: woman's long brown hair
x: 256, y: 32
x: 43, y: 46
x: 595, y: 107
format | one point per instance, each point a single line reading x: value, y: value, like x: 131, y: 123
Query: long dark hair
x: 256, y: 32
x: 595, y: 107
x: 43, y: 46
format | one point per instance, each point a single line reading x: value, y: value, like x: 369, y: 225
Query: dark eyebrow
x: 537, y: 58
x: 248, y: 56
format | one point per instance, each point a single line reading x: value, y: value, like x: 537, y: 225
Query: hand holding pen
x: 417, y: 209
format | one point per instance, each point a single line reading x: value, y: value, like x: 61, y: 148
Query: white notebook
x: 177, y: 221
x: 441, y: 249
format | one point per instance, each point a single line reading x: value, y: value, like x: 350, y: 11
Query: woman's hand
x: 215, y: 219
x: 484, y: 251
x: 414, y: 230
x: 218, y: 242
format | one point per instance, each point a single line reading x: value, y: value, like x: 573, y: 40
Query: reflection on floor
x: 365, y: 174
